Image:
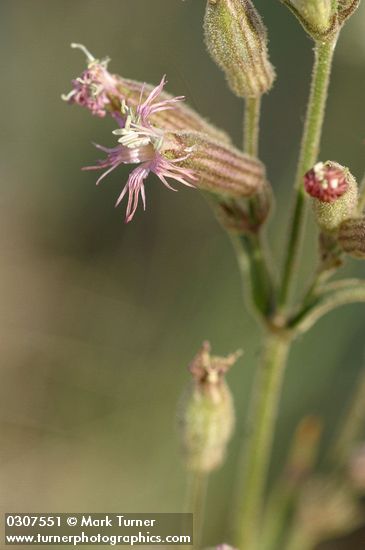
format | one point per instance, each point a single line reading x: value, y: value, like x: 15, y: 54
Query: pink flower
x: 94, y: 87
x: 326, y: 181
x: 142, y: 143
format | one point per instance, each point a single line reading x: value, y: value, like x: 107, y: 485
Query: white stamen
x: 334, y: 183
x: 324, y: 184
x: 90, y: 58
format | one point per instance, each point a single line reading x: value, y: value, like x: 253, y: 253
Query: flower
x: 141, y: 142
x: 102, y: 92
x: 94, y: 88
x: 334, y: 193
x: 326, y: 181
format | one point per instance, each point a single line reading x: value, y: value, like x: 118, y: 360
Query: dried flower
x: 334, y: 192
x: 95, y: 88
x: 142, y: 143
x: 351, y: 237
x: 102, y: 92
x: 236, y: 39
x: 206, y: 415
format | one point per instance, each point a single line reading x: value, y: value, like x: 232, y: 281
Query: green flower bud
x: 322, y: 18
x: 236, y: 39
x: 206, y: 414
x: 318, y: 17
x: 335, y: 194
x: 351, y: 237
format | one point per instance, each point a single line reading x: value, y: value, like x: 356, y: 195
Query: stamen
x: 90, y: 58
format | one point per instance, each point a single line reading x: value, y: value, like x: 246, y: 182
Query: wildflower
x: 192, y: 159
x: 141, y: 143
x: 334, y: 194
x: 102, y: 92
x: 95, y: 87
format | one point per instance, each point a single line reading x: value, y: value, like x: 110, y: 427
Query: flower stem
x: 259, y: 437
x: 308, y: 156
x: 195, y: 503
x: 251, y: 125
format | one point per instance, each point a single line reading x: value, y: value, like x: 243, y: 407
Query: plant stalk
x: 195, y: 503
x: 307, y: 158
x: 259, y: 436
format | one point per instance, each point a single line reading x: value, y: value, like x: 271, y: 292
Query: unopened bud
x: 304, y: 449
x: 236, y: 39
x: 322, y: 18
x: 219, y: 168
x: 334, y: 194
x: 351, y: 237
x: 326, y: 509
x: 206, y: 414
x: 318, y: 17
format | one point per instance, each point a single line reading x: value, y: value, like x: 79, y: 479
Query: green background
x: 99, y: 319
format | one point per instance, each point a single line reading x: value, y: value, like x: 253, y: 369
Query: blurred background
x: 99, y: 319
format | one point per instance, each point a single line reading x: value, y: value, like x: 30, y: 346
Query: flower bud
x: 334, y: 192
x: 206, y: 414
x: 219, y: 168
x: 326, y: 509
x: 351, y: 237
x: 236, y: 39
x: 318, y: 17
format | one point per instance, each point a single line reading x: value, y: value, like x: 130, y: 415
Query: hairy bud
x: 351, y: 237
x: 335, y: 194
x: 206, y: 414
x: 322, y: 18
x: 219, y: 168
x: 236, y: 39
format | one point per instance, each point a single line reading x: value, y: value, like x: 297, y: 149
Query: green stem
x: 262, y: 290
x: 259, y: 437
x: 339, y: 293
x: 251, y: 126
x: 308, y: 156
x: 195, y: 503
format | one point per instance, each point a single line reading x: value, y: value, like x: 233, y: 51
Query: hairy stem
x: 307, y: 158
x: 339, y: 293
x: 251, y: 126
x: 259, y: 437
x: 195, y: 503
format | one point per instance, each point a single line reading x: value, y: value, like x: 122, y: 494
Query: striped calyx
x: 182, y: 117
x: 219, y: 168
x: 351, y: 237
x: 236, y: 39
